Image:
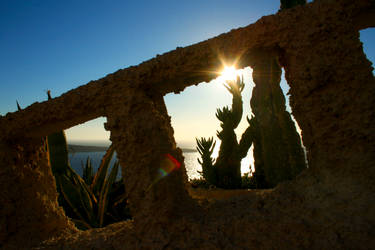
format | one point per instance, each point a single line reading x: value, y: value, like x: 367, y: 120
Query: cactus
x: 226, y: 171
x: 205, y: 149
x: 278, y: 155
x: 18, y: 106
x: 58, y: 153
x: 287, y: 4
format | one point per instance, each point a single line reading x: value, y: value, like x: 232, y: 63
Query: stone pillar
x: 333, y: 99
x: 142, y: 136
x: 278, y: 153
x: 29, y: 212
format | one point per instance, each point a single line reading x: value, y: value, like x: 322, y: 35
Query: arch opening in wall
x: 88, y: 175
x: 193, y: 116
x: 88, y: 139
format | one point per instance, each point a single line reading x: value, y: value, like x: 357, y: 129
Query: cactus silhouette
x: 225, y: 172
x: 287, y: 4
x: 205, y: 149
x: 18, y: 106
x: 278, y: 154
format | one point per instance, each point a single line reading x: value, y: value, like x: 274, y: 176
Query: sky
x: 60, y: 45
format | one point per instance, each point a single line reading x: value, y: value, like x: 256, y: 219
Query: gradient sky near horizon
x: 60, y: 45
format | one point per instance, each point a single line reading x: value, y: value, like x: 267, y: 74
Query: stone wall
x: 330, y: 205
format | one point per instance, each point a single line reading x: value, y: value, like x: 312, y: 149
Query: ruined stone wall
x: 28, y: 200
x: 331, y: 205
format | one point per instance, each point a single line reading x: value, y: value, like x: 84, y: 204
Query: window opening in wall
x: 193, y: 116
x: 88, y: 175
x: 88, y: 140
x: 367, y: 37
x: 199, y: 113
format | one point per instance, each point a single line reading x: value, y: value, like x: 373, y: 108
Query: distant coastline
x: 188, y: 150
x: 73, y: 148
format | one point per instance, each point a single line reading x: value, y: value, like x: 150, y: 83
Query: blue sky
x: 60, y: 45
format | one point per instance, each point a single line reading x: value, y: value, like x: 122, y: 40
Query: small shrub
x: 247, y: 182
x: 201, y: 183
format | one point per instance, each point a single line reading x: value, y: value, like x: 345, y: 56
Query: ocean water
x: 77, y: 159
x: 191, y: 163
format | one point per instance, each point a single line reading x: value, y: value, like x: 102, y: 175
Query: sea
x: 78, y: 160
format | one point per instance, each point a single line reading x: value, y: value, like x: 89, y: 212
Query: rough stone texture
x: 330, y: 205
x: 29, y: 212
x: 278, y: 154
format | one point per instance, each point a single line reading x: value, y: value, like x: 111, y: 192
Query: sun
x: 229, y: 73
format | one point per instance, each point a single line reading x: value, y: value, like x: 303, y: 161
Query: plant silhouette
x: 225, y: 171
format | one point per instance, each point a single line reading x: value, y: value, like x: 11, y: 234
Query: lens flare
x: 167, y: 166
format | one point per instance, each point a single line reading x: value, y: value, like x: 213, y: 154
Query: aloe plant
x: 99, y: 179
x: 91, y: 201
x: 110, y: 194
x: 86, y: 200
x: 88, y: 172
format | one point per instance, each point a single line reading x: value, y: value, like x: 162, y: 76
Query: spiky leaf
x: 100, y: 176
x: 88, y: 172
x: 103, y: 200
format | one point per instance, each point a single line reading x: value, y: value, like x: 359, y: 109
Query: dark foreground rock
x: 331, y: 205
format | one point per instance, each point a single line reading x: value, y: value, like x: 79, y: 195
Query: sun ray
x: 229, y: 73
